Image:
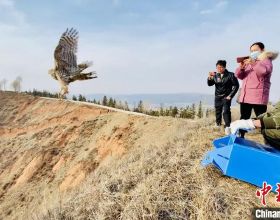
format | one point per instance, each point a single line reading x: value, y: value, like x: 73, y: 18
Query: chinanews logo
x: 267, y: 213
x: 263, y: 192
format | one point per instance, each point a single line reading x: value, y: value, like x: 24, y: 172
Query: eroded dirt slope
x: 48, y: 147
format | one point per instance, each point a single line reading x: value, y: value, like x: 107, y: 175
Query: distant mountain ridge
x: 157, y: 100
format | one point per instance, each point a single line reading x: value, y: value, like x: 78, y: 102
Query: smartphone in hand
x: 241, y: 59
x: 212, y: 73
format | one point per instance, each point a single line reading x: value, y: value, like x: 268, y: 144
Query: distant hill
x: 157, y: 100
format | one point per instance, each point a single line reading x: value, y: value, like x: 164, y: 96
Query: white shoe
x: 216, y: 126
x: 227, y: 131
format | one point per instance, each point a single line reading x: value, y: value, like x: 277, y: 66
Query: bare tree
x: 4, y: 81
x: 19, y: 79
x: 16, y: 84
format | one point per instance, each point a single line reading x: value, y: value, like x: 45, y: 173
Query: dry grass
x: 161, y: 182
x: 135, y: 167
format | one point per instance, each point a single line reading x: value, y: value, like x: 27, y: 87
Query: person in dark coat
x: 226, y: 86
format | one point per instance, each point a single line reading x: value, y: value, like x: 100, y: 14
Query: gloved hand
x: 247, y: 125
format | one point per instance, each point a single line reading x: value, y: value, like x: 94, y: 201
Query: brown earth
x: 62, y: 159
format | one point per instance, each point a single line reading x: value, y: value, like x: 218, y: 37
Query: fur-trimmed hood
x: 268, y: 54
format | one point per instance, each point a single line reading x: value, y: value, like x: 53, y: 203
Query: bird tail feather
x: 85, y: 65
x: 83, y: 76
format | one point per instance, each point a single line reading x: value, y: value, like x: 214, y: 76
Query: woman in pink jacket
x: 255, y: 73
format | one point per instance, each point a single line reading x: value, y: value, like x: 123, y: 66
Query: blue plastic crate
x: 245, y: 160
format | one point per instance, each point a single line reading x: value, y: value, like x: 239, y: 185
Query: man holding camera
x: 226, y: 86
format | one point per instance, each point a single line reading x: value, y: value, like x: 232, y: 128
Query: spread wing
x: 65, y: 53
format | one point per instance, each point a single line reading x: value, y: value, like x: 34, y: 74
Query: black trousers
x: 222, y: 107
x: 246, y: 111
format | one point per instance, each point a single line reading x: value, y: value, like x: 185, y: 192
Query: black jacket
x: 226, y: 86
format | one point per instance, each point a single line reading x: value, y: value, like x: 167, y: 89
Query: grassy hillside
x: 71, y: 160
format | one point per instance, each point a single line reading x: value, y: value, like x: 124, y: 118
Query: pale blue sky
x: 148, y: 46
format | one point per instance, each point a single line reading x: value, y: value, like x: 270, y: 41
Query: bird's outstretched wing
x: 65, y: 53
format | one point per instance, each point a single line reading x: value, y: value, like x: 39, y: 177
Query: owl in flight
x: 66, y: 69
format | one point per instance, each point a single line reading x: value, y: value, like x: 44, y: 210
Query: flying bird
x: 66, y: 69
